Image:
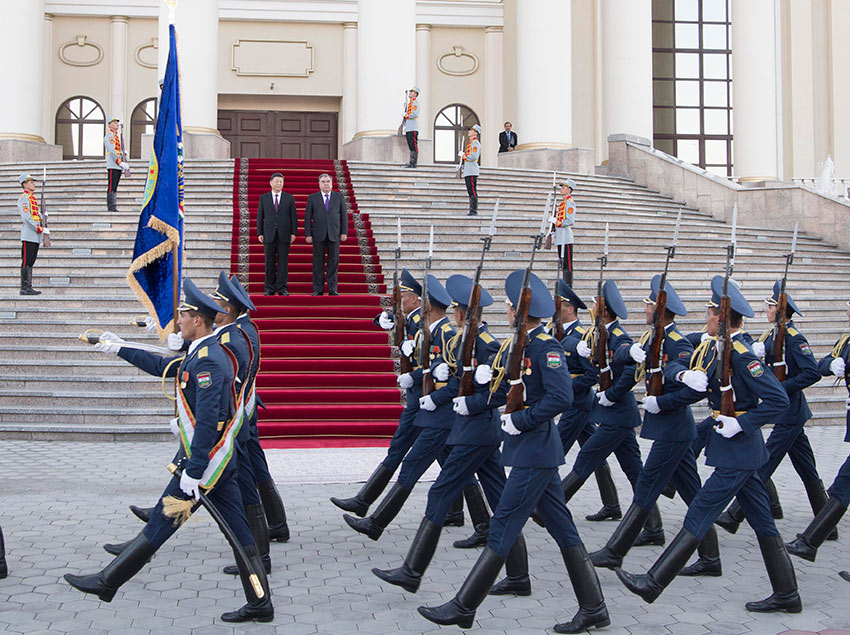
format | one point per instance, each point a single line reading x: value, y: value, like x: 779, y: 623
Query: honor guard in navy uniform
x: 836, y: 364
x: 614, y: 411
x: 273, y: 507
x: 533, y: 450
x: 435, y: 419
x: 474, y: 440
x: 669, y: 423
x: 206, y: 427
x: 788, y: 435
x: 411, y: 125
x: 736, y: 450
x: 469, y: 167
x: 574, y: 424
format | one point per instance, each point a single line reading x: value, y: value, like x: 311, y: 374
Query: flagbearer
x: 114, y: 163
x: 32, y: 231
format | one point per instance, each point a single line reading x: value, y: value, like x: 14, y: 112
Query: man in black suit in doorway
x: 507, y: 139
x: 277, y: 227
x: 325, y: 225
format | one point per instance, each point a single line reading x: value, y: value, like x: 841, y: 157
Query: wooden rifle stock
x: 425, y: 348
x: 600, y: 355
x: 516, y: 356
x: 727, y: 397
x: 655, y: 383
x: 467, y: 343
x: 779, y: 368
x: 405, y: 365
x: 557, y: 323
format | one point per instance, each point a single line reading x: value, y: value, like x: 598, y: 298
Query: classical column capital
x: 349, y: 25
x: 494, y: 29
x: 48, y: 17
x: 423, y: 27
x: 119, y: 18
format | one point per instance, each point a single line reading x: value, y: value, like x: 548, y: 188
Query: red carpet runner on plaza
x: 327, y: 374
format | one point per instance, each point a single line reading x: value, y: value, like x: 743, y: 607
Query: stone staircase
x: 641, y: 225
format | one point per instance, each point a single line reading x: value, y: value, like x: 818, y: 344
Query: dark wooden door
x: 279, y: 134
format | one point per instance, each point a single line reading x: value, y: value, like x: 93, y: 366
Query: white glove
x: 107, y: 346
x: 552, y: 220
x: 508, y: 425
x: 483, y: 374
x: 837, y: 367
x: 190, y: 486
x: 386, y: 321
x: 704, y: 336
x: 45, y: 231
x: 650, y: 404
x: 603, y: 400
x: 407, y: 348
x: 695, y: 380
x: 175, y: 427
x: 175, y: 341
x: 758, y: 349
x: 405, y: 380
x: 637, y: 353
x: 441, y: 372
x: 150, y: 323
x: 461, y: 153
x: 583, y: 349
x: 730, y: 428
x: 460, y: 406
x: 426, y: 403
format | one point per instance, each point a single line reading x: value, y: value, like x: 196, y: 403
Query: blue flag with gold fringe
x: 156, y: 270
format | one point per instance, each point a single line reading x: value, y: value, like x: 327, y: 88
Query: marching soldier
x: 4, y: 569
x: 411, y: 125
x: 206, y: 428
x: 533, y: 450
x: 114, y: 163
x: 563, y: 221
x: 470, y: 170
x: 736, y: 450
x: 32, y: 231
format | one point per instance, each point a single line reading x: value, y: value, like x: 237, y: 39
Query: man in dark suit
x: 277, y: 226
x: 325, y: 225
x: 507, y: 139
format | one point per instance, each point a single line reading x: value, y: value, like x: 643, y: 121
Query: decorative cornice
x: 137, y: 55
x: 82, y: 42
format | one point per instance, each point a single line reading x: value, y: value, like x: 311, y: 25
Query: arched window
x: 142, y: 122
x: 80, y: 128
x: 450, y: 128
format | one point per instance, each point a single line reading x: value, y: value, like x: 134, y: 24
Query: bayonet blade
x: 676, y: 232
x: 493, y: 221
x: 606, y: 240
x: 398, y: 230
x: 794, y: 240
x: 546, y: 214
x: 735, y: 224
x: 431, y: 243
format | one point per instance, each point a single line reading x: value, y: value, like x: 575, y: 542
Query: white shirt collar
x: 569, y: 324
x: 196, y: 343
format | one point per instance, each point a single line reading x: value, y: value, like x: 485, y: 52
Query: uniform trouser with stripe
x: 463, y: 462
x: 528, y: 488
x: 403, y: 439
x: 113, y: 178
x: 472, y: 187
x: 779, y: 443
x: 840, y: 488
x: 565, y: 252
x: 245, y: 475
x: 29, y: 252
x: 607, y: 439
x: 667, y: 461
x: 412, y: 140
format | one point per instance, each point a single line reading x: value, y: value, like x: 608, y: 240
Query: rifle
x: 557, y: 323
x: 470, y: 325
x: 425, y: 329
x: 516, y: 352
x: 724, y: 338
x: 400, y: 130
x: 655, y: 383
x: 42, y: 209
x: 405, y: 365
x: 125, y: 162
x: 779, y: 367
x: 600, y: 355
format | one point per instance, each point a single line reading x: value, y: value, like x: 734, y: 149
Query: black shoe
x: 472, y: 213
x: 269, y: 293
x: 454, y: 519
x: 409, y: 575
x: 592, y: 610
x: 280, y: 533
x: 777, y: 602
x: 353, y: 505
x: 844, y: 575
x: 315, y: 293
x: 250, y: 613
x: 650, y: 538
x: 403, y: 576
x: 512, y: 586
x: 258, y: 608
x: 333, y: 293
x: 477, y: 539
x: 105, y: 583
x: 649, y: 585
x: 728, y: 523
x: 618, y: 545
x: 806, y: 544
x: 116, y: 548
x: 704, y: 567
x: 364, y: 526
x: 30, y: 291
x: 373, y: 526
x: 283, y: 292
x: 773, y: 496
x: 142, y: 513
x: 368, y: 494
x: 608, y: 512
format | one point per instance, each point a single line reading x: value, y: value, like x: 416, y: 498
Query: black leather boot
x: 473, y: 206
x: 274, y: 510
x: 111, y: 201
x: 653, y: 531
x: 258, y: 609
x: 516, y: 582
x: 649, y: 585
x: 669, y: 491
x: 591, y: 605
x: 607, y: 492
x: 773, y: 496
x: 128, y: 563
x: 480, y: 517
x: 260, y: 532
x: 806, y: 544
x: 4, y: 568
x: 455, y: 516
x: 374, y: 525
x: 116, y: 548
x: 142, y: 513
x: 731, y: 519
x: 844, y: 575
x: 26, y: 282
x: 708, y: 563
x: 461, y: 609
x: 618, y: 545
x: 409, y: 575
x: 368, y: 494
x: 780, y: 570
x: 817, y: 499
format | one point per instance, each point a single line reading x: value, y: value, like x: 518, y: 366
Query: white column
x: 118, y: 70
x: 544, y: 75
x: 494, y: 80
x: 22, y: 40
x: 802, y: 111
x: 48, y: 114
x: 349, y: 81
x: 754, y: 90
x: 385, y: 63
x: 423, y: 81
x: 626, y: 73
x: 839, y: 17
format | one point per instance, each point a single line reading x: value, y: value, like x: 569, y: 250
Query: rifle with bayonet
x: 781, y: 320
x: 724, y: 332
x: 557, y: 323
x: 42, y: 209
x: 425, y: 329
x: 516, y: 353
x: 399, y: 335
x: 125, y: 161
x: 600, y: 352
x: 470, y: 325
x: 654, y: 360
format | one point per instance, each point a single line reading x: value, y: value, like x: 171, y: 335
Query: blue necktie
x: 327, y: 204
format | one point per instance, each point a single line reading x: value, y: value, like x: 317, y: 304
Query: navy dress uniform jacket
x: 624, y: 413
x: 443, y: 416
x: 841, y: 349
x: 584, y: 376
x: 801, y: 371
x: 411, y: 327
x: 230, y: 336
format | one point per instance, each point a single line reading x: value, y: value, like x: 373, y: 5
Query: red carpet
x: 327, y: 377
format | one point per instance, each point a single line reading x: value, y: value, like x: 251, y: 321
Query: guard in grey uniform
x: 114, y: 163
x: 32, y: 231
x: 411, y: 125
x: 563, y: 221
x: 469, y: 162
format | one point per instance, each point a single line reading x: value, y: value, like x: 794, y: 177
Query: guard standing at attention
x: 411, y: 125
x: 32, y: 232
x: 114, y: 163
x: 470, y: 170
x: 563, y: 221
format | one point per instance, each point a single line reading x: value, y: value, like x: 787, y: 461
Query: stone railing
x: 772, y: 204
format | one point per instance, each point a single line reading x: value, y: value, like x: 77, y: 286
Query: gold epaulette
x: 486, y: 337
x: 416, y: 318
x: 203, y: 352
x: 792, y: 331
x: 581, y: 329
x: 543, y: 336
x: 673, y: 335
x: 618, y: 332
x: 740, y: 347
x: 225, y: 338
x: 763, y: 337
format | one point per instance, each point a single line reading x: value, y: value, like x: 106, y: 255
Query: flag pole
x: 175, y: 278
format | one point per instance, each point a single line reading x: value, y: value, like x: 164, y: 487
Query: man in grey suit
x: 325, y: 225
x: 277, y: 227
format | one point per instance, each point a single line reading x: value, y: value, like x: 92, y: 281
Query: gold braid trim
x: 449, y: 355
x: 698, y: 360
x: 640, y: 371
x: 178, y: 360
x: 499, y: 369
x: 763, y: 337
x: 839, y: 345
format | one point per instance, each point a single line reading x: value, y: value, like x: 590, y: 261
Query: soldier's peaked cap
x: 24, y: 177
x: 244, y: 298
x: 477, y: 129
x: 408, y: 283
x: 196, y: 300
x: 737, y: 301
x: 567, y: 294
x: 542, y: 305
x: 437, y: 293
x: 674, y: 303
x: 774, y: 298
x: 460, y: 288
x: 613, y: 299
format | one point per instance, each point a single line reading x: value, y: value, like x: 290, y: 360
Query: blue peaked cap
x: 674, y: 303
x: 241, y: 294
x: 408, y: 283
x: 738, y: 302
x: 613, y: 299
x: 460, y: 289
x: 542, y: 305
x: 566, y: 293
x: 774, y: 298
x: 197, y: 300
x: 437, y: 293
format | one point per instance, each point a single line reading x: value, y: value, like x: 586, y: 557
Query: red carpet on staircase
x: 327, y: 376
